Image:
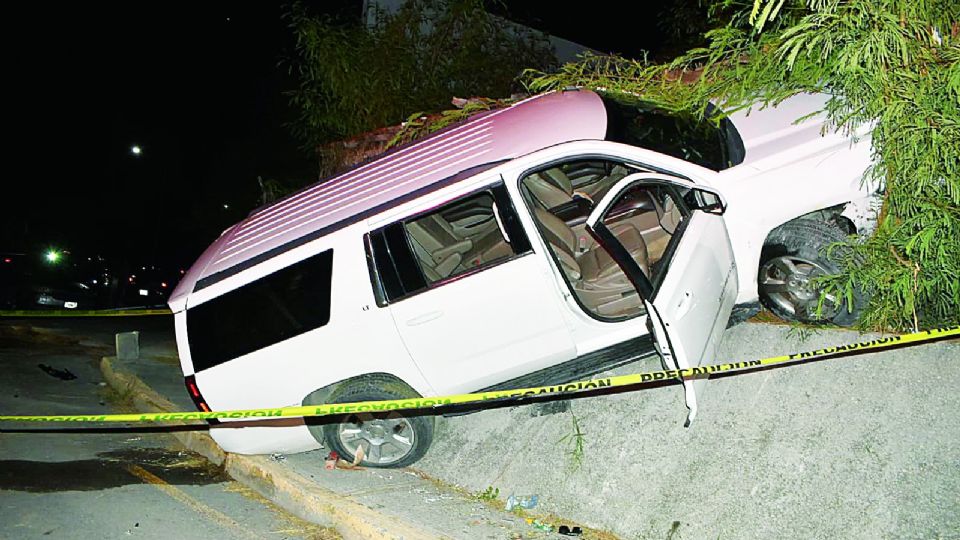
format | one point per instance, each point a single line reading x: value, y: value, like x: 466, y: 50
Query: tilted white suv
x: 536, y: 244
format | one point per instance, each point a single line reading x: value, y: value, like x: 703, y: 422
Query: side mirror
x: 706, y: 201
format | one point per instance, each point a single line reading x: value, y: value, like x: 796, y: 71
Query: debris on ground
x: 344, y: 464
x: 526, y: 502
x: 62, y: 374
x: 333, y: 460
x: 547, y: 408
x: 358, y: 455
x: 539, y: 525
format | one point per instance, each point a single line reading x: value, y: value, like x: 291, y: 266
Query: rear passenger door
x: 469, y: 298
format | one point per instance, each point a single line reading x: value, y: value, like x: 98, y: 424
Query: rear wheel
x: 391, y: 439
x: 794, y: 255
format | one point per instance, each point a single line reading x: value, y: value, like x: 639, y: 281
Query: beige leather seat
x: 549, y: 193
x: 439, y: 250
x: 444, y: 250
x: 488, y: 247
x: 552, y: 187
x: 597, y: 280
x: 436, y: 236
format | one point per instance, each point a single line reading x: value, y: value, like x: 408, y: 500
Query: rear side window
x: 274, y: 308
x: 461, y: 237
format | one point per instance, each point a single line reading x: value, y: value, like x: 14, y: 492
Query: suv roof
x: 395, y: 177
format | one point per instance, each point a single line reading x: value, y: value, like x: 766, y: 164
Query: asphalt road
x: 63, y: 483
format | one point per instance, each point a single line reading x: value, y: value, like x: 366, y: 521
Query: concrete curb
x: 146, y: 399
x: 285, y: 488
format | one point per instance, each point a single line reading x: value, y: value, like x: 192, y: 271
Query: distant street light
x: 136, y: 150
x: 52, y: 256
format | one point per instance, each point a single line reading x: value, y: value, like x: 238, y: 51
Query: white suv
x: 536, y: 244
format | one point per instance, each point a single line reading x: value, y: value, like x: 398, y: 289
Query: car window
x: 560, y: 196
x: 426, y: 250
x: 276, y: 307
x: 646, y: 218
x: 714, y: 145
x: 570, y: 188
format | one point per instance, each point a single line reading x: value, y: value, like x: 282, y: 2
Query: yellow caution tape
x: 83, y: 312
x: 501, y: 395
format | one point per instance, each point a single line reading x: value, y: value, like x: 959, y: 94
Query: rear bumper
x: 282, y: 435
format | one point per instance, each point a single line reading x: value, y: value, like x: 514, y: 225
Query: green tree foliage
x: 354, y: 78
x: 892, y: 68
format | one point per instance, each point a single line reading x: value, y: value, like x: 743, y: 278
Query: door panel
x: 695, y: 298
x: 485, y: 327
x: 689, y: 289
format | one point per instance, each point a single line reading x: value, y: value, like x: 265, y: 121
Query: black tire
x: 392, y: 428
x: 741, y: 313
x: 794, y: 253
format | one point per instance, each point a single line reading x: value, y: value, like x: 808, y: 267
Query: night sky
x: 199, y: 87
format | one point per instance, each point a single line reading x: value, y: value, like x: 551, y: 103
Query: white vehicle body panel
x: 830, y: 175
x: 284, y: 373
x: 695, y: 299
x: 463, y: 341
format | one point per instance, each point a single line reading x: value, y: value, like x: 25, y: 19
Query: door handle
x: 684, y: 305
x: 425, y: 318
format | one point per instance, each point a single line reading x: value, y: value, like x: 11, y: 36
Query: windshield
x: 707, y: 143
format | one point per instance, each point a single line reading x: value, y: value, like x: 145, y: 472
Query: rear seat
x: 442, y: 246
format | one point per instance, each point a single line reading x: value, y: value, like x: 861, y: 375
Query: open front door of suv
x: 686, y: 274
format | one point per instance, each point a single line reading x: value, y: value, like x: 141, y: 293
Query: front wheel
x: 391, y: 439
x: 794, y: 255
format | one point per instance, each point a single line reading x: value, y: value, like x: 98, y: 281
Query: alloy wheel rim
x: 789, y: 283
x: 384, y: 440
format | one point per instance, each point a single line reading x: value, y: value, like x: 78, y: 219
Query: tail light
x: 191, y: 382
